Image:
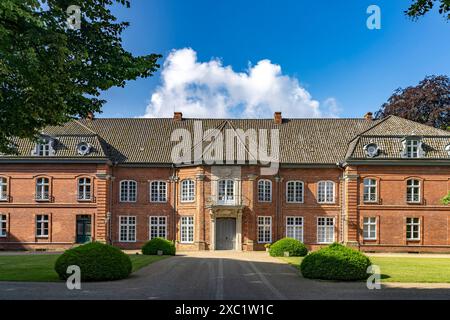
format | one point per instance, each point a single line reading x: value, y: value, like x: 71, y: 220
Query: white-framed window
x: 127, y: 228
x: 158, y: 227
x: 265, y: 190
x: 128, y: 191
x: 370, y: 190
x: 42, y: 225
x: 3, y: 221
x: 413, y: 190
x: 84, y: 189
x: 294, y: 228
x: 325, y: 192
x: 264, y: 229
x: 44, y: 148
x: 294, y: 191
x: 370, y: 228
x: 412, y: 148
x: 325, y: 230
x: 158, y: 191
x: 3, y: 189
x: 42, y: 189
x: 187, y: 230
x: 413, y: 228
x: 226, y: 191
x: 187, y: 190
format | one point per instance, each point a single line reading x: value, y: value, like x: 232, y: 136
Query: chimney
x: 277, y: 117
x: 177, y: 116
x: 368, y: 116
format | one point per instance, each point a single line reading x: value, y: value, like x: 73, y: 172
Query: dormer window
x: 83, y: 148
x: 447, y: 148
x: 44, y: 148
x: 412, y: 148
x: 371, y: 150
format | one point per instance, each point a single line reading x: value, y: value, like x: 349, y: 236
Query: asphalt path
x: 220, y: 275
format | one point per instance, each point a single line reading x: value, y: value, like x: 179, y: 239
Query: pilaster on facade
x: 351, y: 215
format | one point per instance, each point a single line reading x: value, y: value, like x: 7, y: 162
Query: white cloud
x: 209, y: 89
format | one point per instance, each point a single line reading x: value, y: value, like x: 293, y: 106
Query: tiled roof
x: 302, y: 141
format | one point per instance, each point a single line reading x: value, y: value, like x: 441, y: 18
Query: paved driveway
x: 217, y: 275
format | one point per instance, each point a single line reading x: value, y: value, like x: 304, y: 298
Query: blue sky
x: 343, y: 68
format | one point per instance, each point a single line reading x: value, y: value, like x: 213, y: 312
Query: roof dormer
x: 44, y: 147
x: 412, y: 147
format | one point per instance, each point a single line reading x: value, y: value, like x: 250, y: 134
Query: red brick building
x: 373, y: 184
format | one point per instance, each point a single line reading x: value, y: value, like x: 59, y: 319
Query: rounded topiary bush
x: 152, y: 247
x: 97, y: 262
x: 293, y: 246
x: 336, y: 262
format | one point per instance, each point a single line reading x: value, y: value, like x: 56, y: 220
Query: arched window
x: 42, y: 189
x: 226, y: 191
x: 158, y: 191
x: 294, y: 191
x: 84, y: 189
x: 3, y: 189
x: 370, y: 190
x: 413, y: 190
x: 128, y: 191
x: 187, y: 190
x: 264, y: 190
x: 325, y: 192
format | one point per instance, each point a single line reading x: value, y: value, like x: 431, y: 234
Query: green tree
x: 446, y: 199
x: 52, y: 71
x: 420, y: 7
x: 427, y: 103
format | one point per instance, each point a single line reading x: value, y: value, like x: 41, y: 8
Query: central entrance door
x: 83, y: 228
x: 225, y: 233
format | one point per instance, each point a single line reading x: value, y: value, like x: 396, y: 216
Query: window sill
x: 42, y: 200
x: 42, y: 237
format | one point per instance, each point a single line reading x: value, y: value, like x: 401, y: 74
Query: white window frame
x: 325, y: 192
x: 370, y: 227
x: 84, y: 189
x: 264, y: 190
x: 326, y: 230
x: 3, y: 189
x: 3, y: 225
x: 125, y: 191
x: 187, y: 229
x: 264, y: 224
x: 42, y: 189
x: 187, y: 190
x: 410, y: 190
x: 127, y: 228
x: 158, y: 191
x: 42, y: 225
x: 412, y: 148
x: 370, y: 190
x: 227, y: 194
x: 294, y: 198
x: 296, y: 228
x: 158, y: 224
x: 411, y: 223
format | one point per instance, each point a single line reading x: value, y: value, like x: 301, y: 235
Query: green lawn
x: 405, y: 269
x: 39, y: 267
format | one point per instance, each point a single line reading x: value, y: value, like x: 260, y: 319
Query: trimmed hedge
x: 336, y: 262
x: 152, y: 247
x: 97, y: 262
x: 293, y: 246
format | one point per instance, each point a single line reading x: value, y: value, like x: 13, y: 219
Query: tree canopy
x: 420, y: 7
x: 51, y: 72
x: 427, y: 103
